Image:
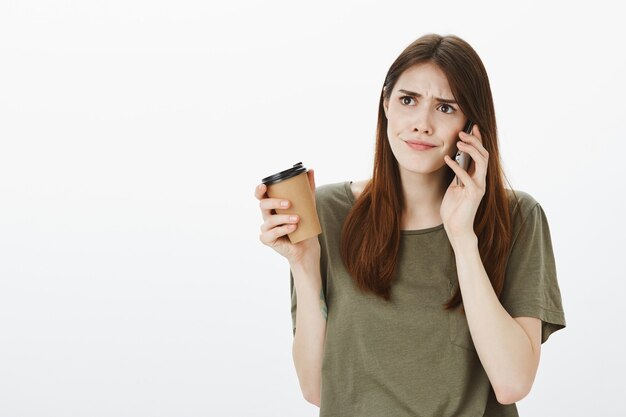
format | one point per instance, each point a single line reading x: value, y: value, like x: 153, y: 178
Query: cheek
x: 395, y: 122
x: 450, y: 147
x: 392, y: 127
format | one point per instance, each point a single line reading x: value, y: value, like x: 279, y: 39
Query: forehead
x: 426, y: 79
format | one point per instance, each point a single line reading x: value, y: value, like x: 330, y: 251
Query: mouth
x: 419, y: 145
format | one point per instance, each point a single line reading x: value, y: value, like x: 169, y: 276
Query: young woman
x: 431, y: 288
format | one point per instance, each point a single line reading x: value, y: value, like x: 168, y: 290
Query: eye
x: 407, y: 100
x: 446, y: 108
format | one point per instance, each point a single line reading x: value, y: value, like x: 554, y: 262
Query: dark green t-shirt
x: 410, y: 357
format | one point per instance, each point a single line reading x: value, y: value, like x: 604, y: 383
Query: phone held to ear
x: 462, y: 158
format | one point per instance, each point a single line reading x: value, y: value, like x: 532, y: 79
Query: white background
x: 133, y: 133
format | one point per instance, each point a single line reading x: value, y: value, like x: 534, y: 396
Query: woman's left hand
x: 460, y: 203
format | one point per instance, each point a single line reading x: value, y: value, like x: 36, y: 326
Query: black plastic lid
x: 297, y: 169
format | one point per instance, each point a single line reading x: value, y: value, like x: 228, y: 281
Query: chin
x: 421, y: 167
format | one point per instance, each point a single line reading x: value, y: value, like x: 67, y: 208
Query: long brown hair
x: 370, y: 240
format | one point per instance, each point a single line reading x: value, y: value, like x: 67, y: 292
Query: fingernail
x: 284, y: 203
x: 293, y: 218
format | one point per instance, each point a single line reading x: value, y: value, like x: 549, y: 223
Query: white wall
x: 132, y: 134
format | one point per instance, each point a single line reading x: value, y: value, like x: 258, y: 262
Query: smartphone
x: 462, y: 158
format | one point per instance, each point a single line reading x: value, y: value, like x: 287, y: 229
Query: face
x: 423, y: 119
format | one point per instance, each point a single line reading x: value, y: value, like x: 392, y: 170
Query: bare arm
x: 508, y: 348
x: 304, y: 260
x: 308, y: 344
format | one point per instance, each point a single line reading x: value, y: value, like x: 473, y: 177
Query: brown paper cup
x: 298, y: 191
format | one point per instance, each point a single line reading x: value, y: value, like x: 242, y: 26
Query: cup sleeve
x: 531, y: 288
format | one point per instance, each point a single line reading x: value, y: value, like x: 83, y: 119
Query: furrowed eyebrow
x: 442, y: 100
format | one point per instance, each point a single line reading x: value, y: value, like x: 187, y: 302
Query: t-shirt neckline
x: 352, y: 200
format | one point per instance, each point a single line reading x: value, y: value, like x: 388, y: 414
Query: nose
x: 421, y: 122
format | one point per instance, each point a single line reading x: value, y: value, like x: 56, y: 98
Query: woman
x: 431, y: 288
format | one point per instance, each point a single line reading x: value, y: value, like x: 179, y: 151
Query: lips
x: 419, y: 145
x: 419, y: 142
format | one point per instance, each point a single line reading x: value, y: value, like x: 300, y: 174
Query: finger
x: 269, y: 204
x: 311, y: 174
x: 460, y: 172
x: 259, y: 191
x: 480, y: 162
x: 471, y: 150
x: 279, y: 220
x: 271, y: 236
x: 473, y: 140
x: 476, y: 132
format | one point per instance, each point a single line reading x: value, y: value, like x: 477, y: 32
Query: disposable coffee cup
x: 293, y: 185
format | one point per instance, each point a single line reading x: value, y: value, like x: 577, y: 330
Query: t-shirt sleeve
x: 294, y: 303
x: 531, y: 288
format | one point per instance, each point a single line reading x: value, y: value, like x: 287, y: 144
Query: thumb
x: 311, y: 174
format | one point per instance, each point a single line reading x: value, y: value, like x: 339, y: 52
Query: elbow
x: 512, y: 394
x: 310, y: 386
x: 312, y: 396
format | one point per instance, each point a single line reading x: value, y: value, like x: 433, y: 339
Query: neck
x: 423, y: 194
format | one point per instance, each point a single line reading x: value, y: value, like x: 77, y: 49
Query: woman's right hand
x: 275, y: 228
